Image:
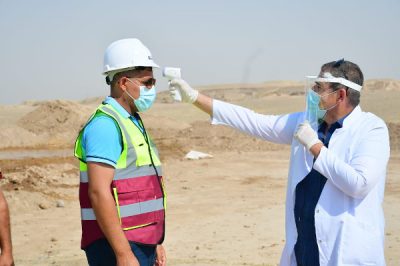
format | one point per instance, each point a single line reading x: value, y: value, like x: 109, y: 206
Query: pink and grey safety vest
x: 137, y: 186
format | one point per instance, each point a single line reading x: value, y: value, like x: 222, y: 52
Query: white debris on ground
x: 195, y: 155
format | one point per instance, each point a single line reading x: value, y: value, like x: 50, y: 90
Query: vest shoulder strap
x: 79, y: 152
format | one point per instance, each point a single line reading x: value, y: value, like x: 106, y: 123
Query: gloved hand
x: 188, y: 94
x: 306, y: 135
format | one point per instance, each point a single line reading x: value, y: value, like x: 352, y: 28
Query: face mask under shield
x: 314, y: 114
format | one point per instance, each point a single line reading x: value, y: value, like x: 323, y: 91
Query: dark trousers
x: 100, y: 253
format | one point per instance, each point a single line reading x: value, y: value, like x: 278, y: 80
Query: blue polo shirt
x: 308, y: 192
x: 102, y: 140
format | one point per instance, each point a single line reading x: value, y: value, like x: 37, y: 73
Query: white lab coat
x: 349, y: 221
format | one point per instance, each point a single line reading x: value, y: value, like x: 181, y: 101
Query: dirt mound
x: 206, y: 138
x: 92, y: 101
x: 53, y: 117
x: 239, y: 92
x: 54, y: 177
x: 54, y: 123
x: 382, y: 84
x: 394, y: 133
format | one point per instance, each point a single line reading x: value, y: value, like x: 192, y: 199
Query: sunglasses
x: 148, y: 83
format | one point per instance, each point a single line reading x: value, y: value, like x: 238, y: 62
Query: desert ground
x: 224, y: 210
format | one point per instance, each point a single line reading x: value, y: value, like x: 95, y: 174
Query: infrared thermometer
x: 171, y: 73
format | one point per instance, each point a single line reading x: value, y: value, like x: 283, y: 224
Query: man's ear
x: 342, y: 94
x: 122, y: 83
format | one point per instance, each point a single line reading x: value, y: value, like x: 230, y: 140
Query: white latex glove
x: 306, y: 135
x: 188, y: 94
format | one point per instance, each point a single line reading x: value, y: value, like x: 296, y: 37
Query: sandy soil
x: 227, y: 210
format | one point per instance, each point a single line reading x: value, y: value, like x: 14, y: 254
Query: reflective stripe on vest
x: 128, y: 210
x: 137, y: 184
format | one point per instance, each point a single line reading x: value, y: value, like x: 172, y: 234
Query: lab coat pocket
x: 362, y: 244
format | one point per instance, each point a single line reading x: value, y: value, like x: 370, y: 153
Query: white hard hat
x: 126, y: 54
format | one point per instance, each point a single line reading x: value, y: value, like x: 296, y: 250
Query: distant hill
x: 55, y: 124
x: 232, y: 92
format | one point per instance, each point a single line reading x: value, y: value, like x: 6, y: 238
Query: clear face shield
x: 314, y: 113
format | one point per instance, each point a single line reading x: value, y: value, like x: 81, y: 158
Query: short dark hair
x: 349, y: 71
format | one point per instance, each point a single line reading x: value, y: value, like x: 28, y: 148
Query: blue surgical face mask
x: 146, y: 98
x: 314, y: 113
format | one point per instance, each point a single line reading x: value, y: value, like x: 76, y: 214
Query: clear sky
x: 54, y: 49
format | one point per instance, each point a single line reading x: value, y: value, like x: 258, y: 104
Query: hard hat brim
x: 125, y: 68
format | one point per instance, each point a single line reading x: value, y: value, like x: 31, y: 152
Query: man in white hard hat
x: 121, y: 187
x: 337, y: 168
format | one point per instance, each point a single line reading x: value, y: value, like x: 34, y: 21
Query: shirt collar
x: 337, y: 124
x: 111, y: 101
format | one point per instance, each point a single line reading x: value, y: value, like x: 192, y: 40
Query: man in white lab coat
x: 337, y: 171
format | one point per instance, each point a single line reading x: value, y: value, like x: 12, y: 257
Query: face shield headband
x: 314, y: 113
x: 327, y: 77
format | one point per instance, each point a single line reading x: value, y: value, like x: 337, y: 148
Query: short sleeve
x: 102, y: 141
